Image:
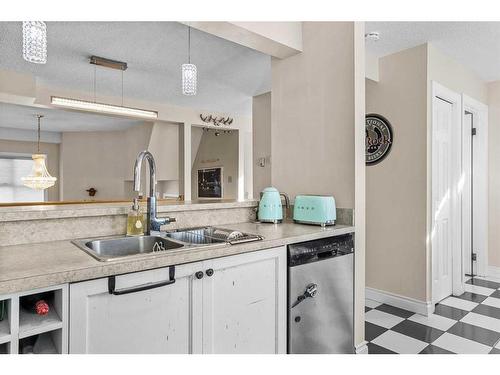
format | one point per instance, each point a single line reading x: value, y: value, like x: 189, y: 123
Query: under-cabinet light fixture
x: 102, y: 108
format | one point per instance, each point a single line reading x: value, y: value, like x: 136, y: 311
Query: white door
x: 244, y: 303
x: 446, y: 127
x: 166, y: 319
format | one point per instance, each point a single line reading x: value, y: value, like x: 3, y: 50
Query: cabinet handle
x: 209, y: 272
x: 113, y: 291
x: 199, y: 275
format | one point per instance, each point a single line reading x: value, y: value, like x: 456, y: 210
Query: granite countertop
x: 38, y: 265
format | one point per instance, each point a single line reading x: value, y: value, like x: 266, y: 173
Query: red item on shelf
x: 42, y: 307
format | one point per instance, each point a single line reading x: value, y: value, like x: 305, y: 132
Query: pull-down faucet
x: 152, y: 222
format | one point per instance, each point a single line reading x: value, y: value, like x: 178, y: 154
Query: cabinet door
x: 166, y: 319
x: 244, y: 303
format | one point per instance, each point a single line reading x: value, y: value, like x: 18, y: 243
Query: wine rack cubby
x: 22, y: 331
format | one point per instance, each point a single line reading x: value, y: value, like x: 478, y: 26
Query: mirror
x: 92, y: 153
x: 214, y: 155
x: 92, y: 156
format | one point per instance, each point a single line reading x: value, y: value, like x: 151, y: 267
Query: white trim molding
x: 407, y: 303
x: 440, y: 92
x: 478, y: 197
x: 361, y: 348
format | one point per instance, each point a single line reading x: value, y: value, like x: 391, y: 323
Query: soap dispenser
x: 135, y: 220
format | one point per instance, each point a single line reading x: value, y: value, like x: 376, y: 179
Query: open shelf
x: 44, y: 343
x: 5, y: 348
x: 5, y: 323
x: 22, y: 330
x: 31, y: 324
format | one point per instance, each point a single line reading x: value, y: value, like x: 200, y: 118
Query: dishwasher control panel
x: 312, y: 251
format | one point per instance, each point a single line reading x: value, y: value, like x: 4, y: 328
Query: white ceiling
x: 55, y: 120
x: 228, y: 74
x: 476, y: 45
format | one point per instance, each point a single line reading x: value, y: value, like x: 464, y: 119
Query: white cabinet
x: 158, y: 320
x: 237, y: 308
x: 244, y: 303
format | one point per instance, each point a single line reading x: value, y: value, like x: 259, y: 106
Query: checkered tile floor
x: 469, y: 324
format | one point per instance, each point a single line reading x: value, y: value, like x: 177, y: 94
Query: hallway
x: 469, y: 324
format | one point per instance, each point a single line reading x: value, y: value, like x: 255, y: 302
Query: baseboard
x: 410, y: 304
x: 494, y: 272
x: 362, y: 348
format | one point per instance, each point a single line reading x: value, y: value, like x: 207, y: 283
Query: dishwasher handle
x: 140, y: 288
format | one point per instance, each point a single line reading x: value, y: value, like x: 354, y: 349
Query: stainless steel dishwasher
x: 321, y: 296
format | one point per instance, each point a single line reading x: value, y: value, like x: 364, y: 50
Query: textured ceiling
x: 55, y: 120
x: 473, y: 44
x: 228, y: 74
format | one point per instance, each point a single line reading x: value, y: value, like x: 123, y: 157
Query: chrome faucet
x: 153, y: 223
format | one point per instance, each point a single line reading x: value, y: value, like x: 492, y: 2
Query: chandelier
x: 39, y: 178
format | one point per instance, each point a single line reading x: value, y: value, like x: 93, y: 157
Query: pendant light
x: 189, y: 72
x: 39, y: 178
x: 35, y: 42
x: 94, y: 106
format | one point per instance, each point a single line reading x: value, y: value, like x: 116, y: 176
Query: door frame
x: 480, y: 122
x: 440, y: 92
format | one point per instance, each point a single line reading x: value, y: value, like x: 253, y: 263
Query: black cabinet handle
x: 209, y: 272
x: 113, y: 291
x: 199, y: 275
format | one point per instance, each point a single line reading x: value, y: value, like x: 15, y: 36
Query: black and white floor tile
x: 468, y: 324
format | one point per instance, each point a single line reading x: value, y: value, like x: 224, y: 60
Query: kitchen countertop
x: 38, y: 265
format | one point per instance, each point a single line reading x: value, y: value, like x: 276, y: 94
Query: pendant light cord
x: 38, y: 138
x: 189, y: 44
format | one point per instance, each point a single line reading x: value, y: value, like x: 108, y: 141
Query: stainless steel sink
x: 114, y: 248
x: 211, y: 235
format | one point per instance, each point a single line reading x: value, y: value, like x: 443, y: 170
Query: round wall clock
x: 379, y: 138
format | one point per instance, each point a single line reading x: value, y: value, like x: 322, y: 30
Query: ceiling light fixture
x: 94, y: 106
x: 39, y: 178
x: 35, y: 42
x: 102, y: 108
x: 373, y: 36
x: 189, y: 72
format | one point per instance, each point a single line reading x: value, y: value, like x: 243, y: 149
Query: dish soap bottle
x: 135, y: 220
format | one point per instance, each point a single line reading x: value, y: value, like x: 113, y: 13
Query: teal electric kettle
x: 270, y: 207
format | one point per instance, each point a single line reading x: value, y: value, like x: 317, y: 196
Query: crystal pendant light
x: 189, y: 72
x: 39, y: 178
x: 35, y: 42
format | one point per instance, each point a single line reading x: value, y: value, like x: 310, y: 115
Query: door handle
x: 209, y: 272
x: 310, y: 292
x: 113, y: 291
x: 199, y: 275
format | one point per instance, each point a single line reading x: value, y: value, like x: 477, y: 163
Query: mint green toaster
x: 314, y: 209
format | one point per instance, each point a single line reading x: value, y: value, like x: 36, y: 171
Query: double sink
x: 106, y: 249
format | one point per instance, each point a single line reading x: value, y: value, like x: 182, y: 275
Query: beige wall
x: 313, y: 115
x: 261, y: 125
x: 494, y: 174
x: 396, y: 188
x: 454, y: 76
x: 218, y: 151
x: 105, y: 161
x: 316, y: 102
x: 52, y: 152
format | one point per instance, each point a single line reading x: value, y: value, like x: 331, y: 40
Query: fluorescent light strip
x: 102, y: 108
